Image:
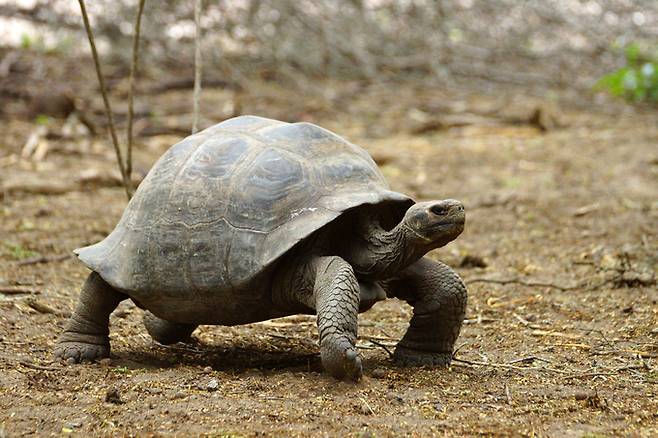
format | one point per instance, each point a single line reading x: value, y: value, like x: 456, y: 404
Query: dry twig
x: 13, y: 290
x: 528, y: 359
x: 379, y: 344
x: 521, y: 282
x: 367, y: 406
x: 106, y: 101
x: 131, y: 92
x: 35, y: 366
x: 44, y: 308
x: 508, y: 366
x: 43, y: 259
x: 197, y: 65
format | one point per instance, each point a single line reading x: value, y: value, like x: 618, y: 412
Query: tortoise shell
x: 222, y: 205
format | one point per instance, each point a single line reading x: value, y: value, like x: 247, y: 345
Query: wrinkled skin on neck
x: 378, y: 253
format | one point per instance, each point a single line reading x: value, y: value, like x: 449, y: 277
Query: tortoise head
x: 435, y: 223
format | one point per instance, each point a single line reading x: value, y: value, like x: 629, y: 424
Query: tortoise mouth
x: 447, y: 223
x: 445, y: 229
x: 457, y: 221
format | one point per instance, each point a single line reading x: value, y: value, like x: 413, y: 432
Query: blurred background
x: 540, y: 115
x: 536, y: 46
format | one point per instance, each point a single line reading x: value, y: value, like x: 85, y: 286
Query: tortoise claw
x: 342, y: 363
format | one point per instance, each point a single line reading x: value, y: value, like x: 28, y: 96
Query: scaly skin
x: 85, y: 338
x: 336, y: 296
x: 438, y: 297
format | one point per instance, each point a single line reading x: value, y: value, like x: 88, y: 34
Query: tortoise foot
x: 410, y: 357
x: 89, y: 349
x: 167, y: 332
x: 342, y: 361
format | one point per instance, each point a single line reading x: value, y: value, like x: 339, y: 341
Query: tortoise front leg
x: 438, y: 297
x: 336, y: 300
x: 86, y: 335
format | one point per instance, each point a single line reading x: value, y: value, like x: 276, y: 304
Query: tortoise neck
x: 383, y: 253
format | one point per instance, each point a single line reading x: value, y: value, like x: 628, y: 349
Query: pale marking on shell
x: 295, y: 213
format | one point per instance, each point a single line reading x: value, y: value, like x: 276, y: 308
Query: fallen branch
x: 34, y: 366
x: 528, y: 360
x: 609, y: 372
x: 583, y: 285
x: 43, y: 308
x: 525, y: 322
x: 14, y: 290
x: 508, y: 366
x: 478, y: 320
x: 540, y: 332
x: 521, y: 282
x: 43, y: 259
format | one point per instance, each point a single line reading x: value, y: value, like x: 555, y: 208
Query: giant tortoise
x: 253, y: 219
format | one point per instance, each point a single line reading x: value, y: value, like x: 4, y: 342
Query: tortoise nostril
x: 439, y: 209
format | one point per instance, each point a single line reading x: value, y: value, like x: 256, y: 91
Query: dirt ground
x: 559, y: 253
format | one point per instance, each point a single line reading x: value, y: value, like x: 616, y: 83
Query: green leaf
x: 26, y: 41
x: 633, y: 54
x: 637, y: 81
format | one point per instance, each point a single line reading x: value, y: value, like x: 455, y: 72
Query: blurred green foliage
x: 637, y: 81
x: 19, y: 252
x: 42, y: 120
x: 38, y: 43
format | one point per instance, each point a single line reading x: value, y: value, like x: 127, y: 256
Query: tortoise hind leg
x: 438, y: 297
x: 86, y: 335
x: 167, y: 332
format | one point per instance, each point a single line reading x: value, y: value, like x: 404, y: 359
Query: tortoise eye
x: 438, y: 210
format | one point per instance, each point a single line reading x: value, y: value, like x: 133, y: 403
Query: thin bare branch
x: 521, y: 282
x: 197, y: 65
x: 131, y: 92
x: 106, y: 101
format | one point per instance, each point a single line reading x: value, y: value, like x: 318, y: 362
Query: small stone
x: 583, y: 394
x: 112, y: 396
x: 213, y: 385
x: 178, y: 395
x: 106, y: 362
x: 378, y: 373
x: 73, y: 424
x: 207, y: 370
